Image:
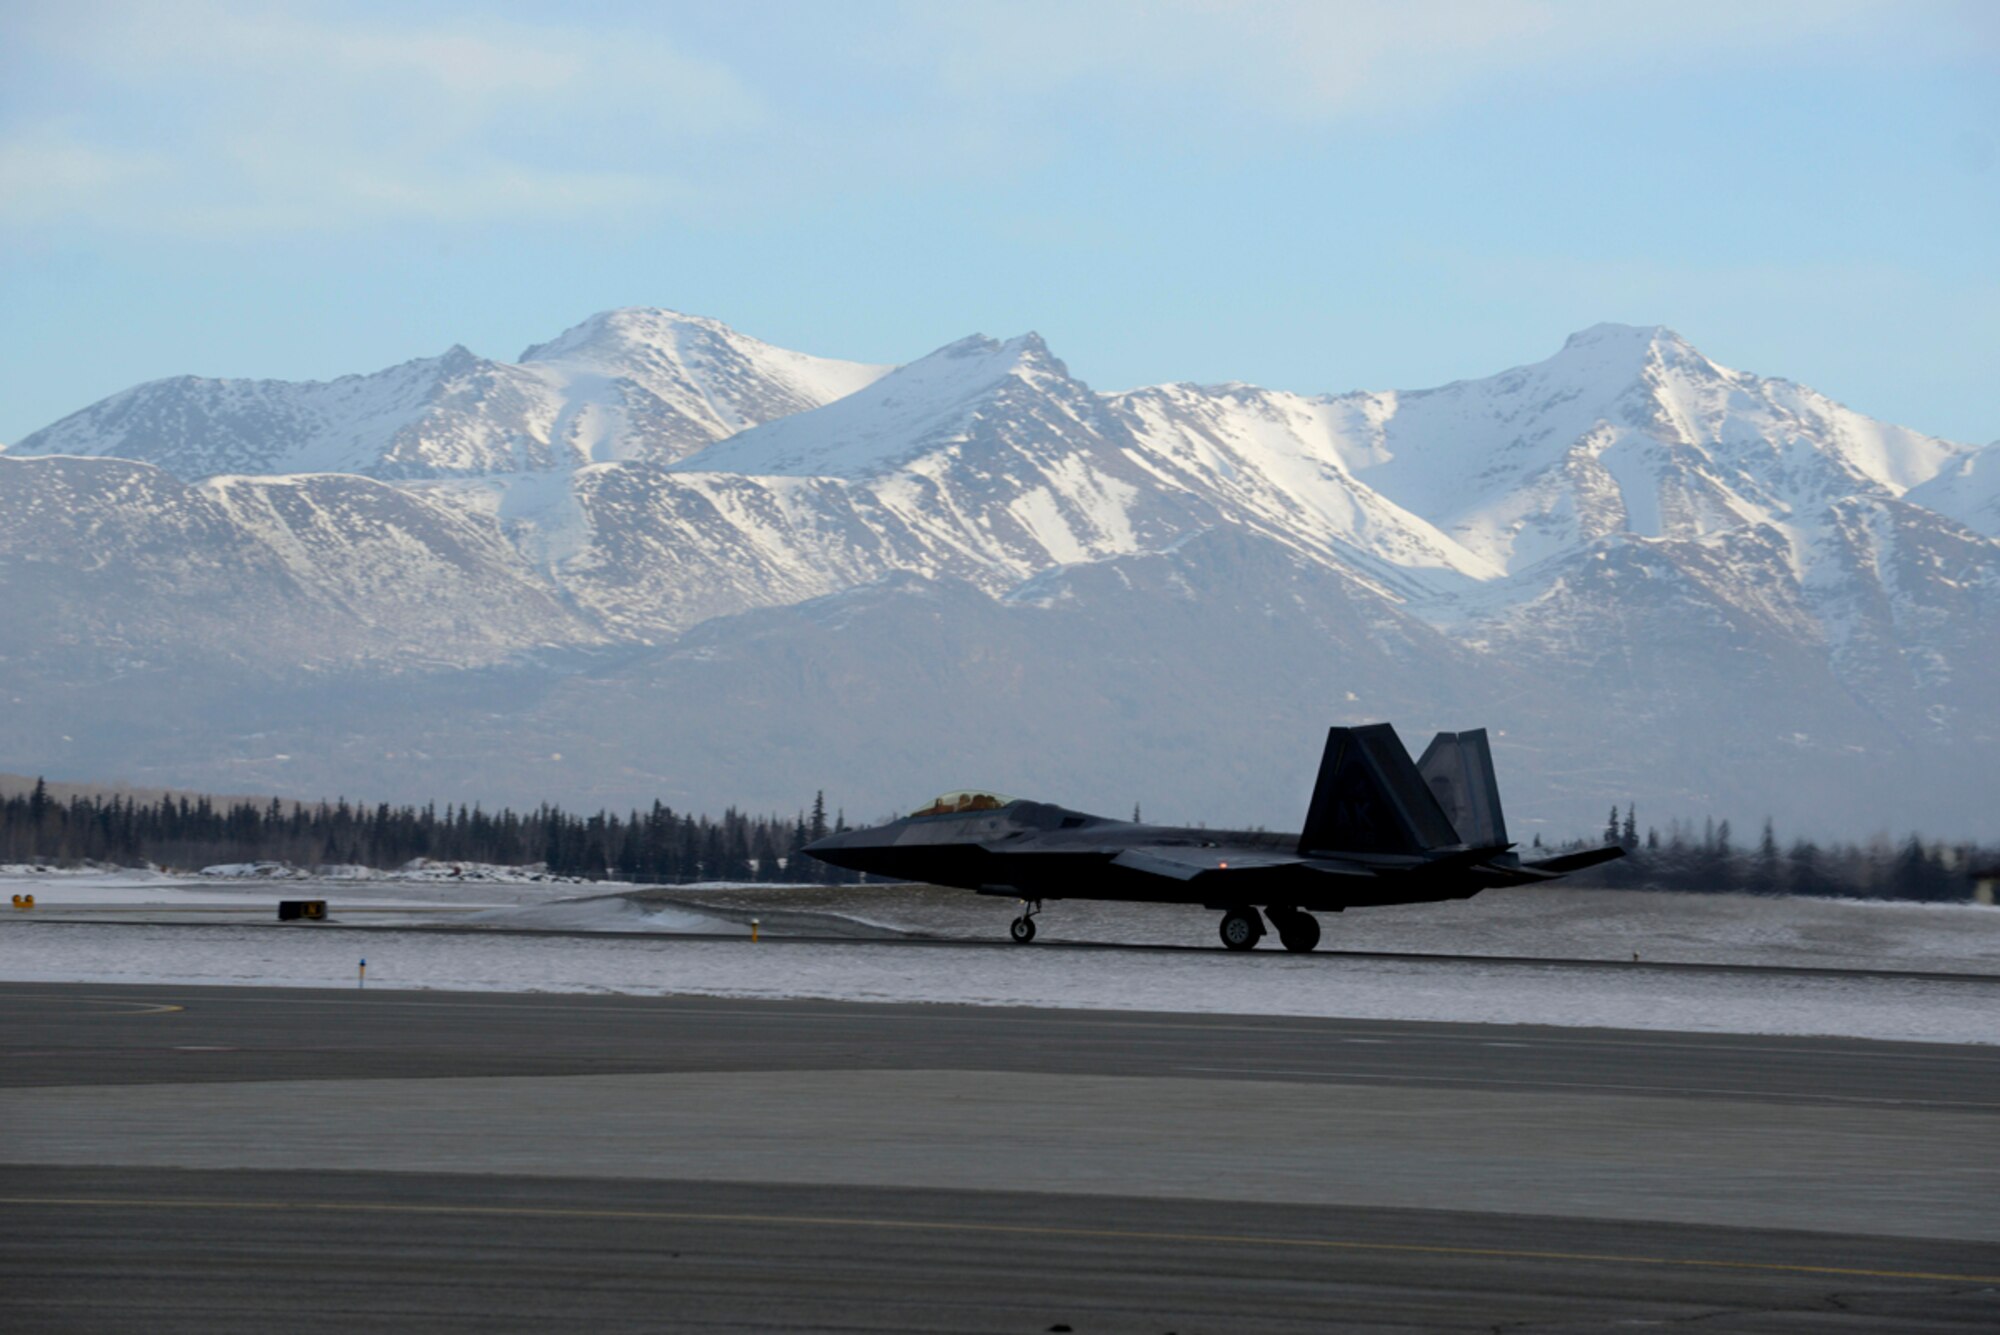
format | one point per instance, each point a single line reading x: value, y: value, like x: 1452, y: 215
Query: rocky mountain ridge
x: 625, y: 384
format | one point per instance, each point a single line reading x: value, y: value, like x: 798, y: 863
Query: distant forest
x: 665, y: 846
x: 658, y: 845
x: 1712, y: 860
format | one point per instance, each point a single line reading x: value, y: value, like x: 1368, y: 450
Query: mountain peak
x: 1025, y: 355
x: 902, y: 414
x: 1612, y: 333
x: 1028, y: 345
x: 687, y: 380
x: 1608, y: 342
x: 1610, y: 358
x: 624, y: 328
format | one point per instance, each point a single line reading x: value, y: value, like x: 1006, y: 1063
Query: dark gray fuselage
x: 1040, y: 851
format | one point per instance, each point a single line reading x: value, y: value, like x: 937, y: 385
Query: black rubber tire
x: 1022, y: 930
x: 1299, y: 932
x: 1242, y: 929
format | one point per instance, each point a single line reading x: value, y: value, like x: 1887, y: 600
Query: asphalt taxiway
x: 221, y: 1158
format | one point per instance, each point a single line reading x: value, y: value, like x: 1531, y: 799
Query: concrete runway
x: 250, y: 1159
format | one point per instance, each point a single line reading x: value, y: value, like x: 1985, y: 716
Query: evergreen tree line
x: 1710, y: 859
x: 665, y: 846
x: 657, y: 845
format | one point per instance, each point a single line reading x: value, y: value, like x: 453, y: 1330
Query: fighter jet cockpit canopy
x: 963, y: 800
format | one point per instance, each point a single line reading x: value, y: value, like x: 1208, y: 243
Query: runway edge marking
x: 132, y: 1006
x: 1020, y: 1230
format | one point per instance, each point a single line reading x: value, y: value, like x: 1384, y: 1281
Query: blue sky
x: 1315, y: 196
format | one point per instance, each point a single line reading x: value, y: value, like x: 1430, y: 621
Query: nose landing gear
x: 1022, y: 929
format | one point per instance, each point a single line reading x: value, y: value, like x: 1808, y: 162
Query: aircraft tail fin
x: 1370, y: 798
x: 1458, y: 769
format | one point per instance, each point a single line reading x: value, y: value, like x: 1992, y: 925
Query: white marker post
x: 362, y: 981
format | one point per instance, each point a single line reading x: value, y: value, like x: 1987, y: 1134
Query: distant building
x: 1986, y: 883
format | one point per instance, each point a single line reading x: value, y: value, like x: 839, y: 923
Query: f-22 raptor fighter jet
x: 1380, y: 830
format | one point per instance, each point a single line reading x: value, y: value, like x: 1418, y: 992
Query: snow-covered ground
x: 1263, y: 983
x: 114, y: 927
x: 234, y: 890
x: 1532, y: 921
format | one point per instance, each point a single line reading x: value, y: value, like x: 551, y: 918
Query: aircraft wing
x: 1182, y: 863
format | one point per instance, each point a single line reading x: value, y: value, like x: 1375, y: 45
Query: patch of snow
x: 606, y: 913
x: 913, y: 408
x: 1968, y: 490
x: 1287, y: 463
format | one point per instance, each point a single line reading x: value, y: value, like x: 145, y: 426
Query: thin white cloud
x: 211, y: 118
x: 47, y: 172
x: 1315, y: 60
x: 207, y: 117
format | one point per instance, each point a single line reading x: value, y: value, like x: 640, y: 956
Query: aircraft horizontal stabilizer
x: 1564, y: 863
x: 1469, y: 857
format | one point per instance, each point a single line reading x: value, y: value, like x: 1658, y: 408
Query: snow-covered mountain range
x: 692, y: 562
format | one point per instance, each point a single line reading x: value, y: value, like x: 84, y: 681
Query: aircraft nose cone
x: 830, y: 848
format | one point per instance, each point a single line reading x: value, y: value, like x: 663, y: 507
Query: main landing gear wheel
x: 1022, y: 930
x: 1241, y: 929
x: 1298, y: 931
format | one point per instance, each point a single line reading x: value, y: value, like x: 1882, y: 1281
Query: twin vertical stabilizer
x: 1371, y: 798
x: 1458, y: 769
